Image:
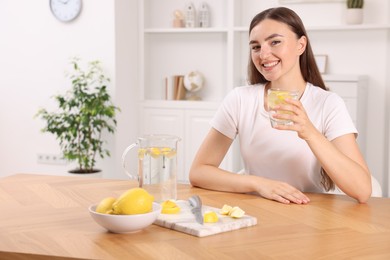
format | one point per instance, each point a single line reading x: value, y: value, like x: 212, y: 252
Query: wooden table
x: 46, y: 217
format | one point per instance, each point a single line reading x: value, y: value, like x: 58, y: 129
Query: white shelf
x: 219, y: 52
x: 343, y: 27
x: 180, y: 104
x: 346, y: 27
x: 186, y: 30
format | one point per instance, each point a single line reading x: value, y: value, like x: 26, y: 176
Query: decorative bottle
x: 190, y: 15
x: 204, y: 15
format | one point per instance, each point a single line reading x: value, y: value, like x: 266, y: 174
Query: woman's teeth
x: 271, y: 64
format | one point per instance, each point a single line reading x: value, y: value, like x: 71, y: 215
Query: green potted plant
x: 84, y: 113
x: 354, y: 13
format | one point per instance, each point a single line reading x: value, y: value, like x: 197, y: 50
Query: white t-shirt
x: 280, y: 154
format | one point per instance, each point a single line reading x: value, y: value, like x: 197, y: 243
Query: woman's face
x: 275, y: 50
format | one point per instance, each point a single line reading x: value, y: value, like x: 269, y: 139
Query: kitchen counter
x: 46, y: 217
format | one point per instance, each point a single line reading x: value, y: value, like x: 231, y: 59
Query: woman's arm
x: 205, y: 173
x: 340, y: 158
x: 344, y: 164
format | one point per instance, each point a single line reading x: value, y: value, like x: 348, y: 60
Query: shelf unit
x: 219, y: 52
x: 167, y: 51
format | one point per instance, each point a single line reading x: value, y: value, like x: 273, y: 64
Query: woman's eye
x: 273, y: 43
x: 255, y: 47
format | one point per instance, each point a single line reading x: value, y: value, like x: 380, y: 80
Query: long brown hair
x: 307, y: 61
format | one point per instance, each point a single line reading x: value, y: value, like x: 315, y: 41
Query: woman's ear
x: 302, y: 42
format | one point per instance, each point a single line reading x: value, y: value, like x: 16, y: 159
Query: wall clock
x: 65, y: 10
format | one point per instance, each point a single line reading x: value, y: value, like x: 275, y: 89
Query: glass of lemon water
x: 278, y: 97
x: 157, y: 165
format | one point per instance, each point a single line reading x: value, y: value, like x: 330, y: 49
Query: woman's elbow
x: 364, y: 196
x: 193, y: 177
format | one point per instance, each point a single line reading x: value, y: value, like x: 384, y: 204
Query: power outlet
x: 51, y: 159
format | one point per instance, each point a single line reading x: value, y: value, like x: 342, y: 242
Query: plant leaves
x: 84, y: 112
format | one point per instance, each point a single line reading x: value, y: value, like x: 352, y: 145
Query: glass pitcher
x: 157, y: 165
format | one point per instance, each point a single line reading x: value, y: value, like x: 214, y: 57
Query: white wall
x: 35, y: 49
x: 387, y: 96
x: 127, y: 90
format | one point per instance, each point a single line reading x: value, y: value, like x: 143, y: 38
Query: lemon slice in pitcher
x: 141, y: 153
x: 168, y: 152
x: 155, y: 152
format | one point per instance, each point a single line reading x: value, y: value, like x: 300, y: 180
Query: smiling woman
x: 315, y: 151
x: 65, y: 10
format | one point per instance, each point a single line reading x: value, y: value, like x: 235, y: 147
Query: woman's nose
x: 264, y: 52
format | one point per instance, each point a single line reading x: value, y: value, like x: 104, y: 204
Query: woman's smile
x: 270, y: 65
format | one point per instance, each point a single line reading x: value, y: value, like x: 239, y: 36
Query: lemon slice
x: 165, y: 150
x: 210, y: 217
x: 169, y: 207
x: 226, y: 209
x: 168, y: 152
x: 236, y: 212
x: 141, y: 153
x: 155, y: 152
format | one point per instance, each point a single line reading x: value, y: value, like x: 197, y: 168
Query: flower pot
x: 95, y: 173
x: 354, y: 16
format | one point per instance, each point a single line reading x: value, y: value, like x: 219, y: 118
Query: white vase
x: 354, y: 16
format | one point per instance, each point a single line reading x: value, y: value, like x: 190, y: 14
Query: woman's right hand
x: 280, y: 191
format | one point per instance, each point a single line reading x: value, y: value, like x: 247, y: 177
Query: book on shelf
x: 174, y: 88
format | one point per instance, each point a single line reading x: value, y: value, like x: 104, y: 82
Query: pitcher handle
x: 132, y: 176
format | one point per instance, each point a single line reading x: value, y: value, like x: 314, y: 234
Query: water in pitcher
x: 158, y: 166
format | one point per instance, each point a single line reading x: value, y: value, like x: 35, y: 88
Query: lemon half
x: 169, y: 207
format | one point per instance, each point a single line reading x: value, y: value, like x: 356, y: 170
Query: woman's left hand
x: 301, y: 122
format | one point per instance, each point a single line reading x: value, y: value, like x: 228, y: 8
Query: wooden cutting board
x: 185, y: 221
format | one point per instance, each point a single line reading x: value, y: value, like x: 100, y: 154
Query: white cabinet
x: 189, y: 122
x: 353, y: 90
x: 165, y: 121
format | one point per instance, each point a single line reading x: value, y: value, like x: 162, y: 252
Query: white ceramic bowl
x: 125, y: 223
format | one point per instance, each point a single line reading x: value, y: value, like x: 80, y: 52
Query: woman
x: 313, y: 154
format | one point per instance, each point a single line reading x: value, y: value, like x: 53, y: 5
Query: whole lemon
x: 133, y: 201
x: 105, y: 205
